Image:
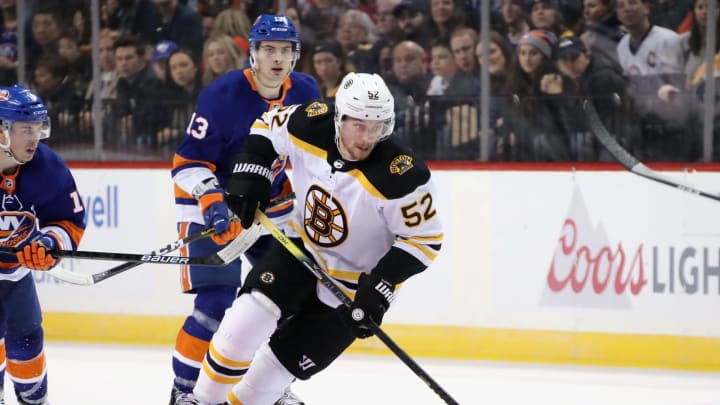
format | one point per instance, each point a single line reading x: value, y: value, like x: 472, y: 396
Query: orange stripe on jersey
x: 219, y: 378
x: 184, y: 251
x: 75, y: 232
x: 180, y: 193
x: 190, y: 346
x: 179, y: 161
x: 3, y: 355
x: 226, y: 361
x: 208, y: 199
x: 278, y: 102
x: 27, y: 369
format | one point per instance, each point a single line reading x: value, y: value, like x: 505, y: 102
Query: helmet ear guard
x: 365, y: 96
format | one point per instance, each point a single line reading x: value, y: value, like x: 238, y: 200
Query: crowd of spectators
x: 640, y: 62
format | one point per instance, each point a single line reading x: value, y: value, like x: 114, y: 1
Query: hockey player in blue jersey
x: 41, y: 211
x: 201, y: 167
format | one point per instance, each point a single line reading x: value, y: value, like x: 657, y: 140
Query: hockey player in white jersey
x: 369, y: 219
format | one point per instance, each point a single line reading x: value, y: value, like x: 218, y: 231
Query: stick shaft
x: 629, y: 161
x: 331, y: 285
x: 89, y: 279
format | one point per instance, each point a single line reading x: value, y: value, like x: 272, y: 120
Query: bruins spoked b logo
x: 325, y: 219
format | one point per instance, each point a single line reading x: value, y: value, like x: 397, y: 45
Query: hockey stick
x: 329, y: 283
x: 629, y: 161
x: 221, y: 258
x: 90, y: 279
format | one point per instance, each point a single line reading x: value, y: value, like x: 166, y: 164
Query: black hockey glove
x: 248, y: 188
x: 373, y: 297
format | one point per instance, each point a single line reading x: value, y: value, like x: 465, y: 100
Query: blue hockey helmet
x: 18, y: 104
x: 273, y: 28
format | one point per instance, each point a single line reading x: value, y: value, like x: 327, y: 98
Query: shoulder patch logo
x: 401, y: 164
x: 315, y: 109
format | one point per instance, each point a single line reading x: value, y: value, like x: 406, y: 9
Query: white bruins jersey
x: 354, y: 212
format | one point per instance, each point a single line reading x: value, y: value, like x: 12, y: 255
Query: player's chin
x: 28, y: 154
x: 361, y: 153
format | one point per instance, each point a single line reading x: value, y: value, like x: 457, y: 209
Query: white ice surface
x: 93, y: 374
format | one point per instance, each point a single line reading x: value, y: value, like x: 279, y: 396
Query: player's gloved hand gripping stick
x: 364, y: 319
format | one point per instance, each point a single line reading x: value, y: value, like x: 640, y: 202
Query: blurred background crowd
x: 491, y: 80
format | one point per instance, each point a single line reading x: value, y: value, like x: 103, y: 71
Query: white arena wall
x: 594, y: 266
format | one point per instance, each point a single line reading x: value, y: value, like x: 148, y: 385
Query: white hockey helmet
x: 365, y: 96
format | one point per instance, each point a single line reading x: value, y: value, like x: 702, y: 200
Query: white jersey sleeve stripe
x: 425, y: 250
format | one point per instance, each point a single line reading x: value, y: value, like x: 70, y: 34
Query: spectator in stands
x: 207, y: 19
x: 603, y: 29
x: 670, y: 13
x: 409, y: 89
x: 599, y: 80
x: 78, y: 60
x: 367, y: 60
x: 232, y: 22
x: 515, y: 14
x: 180, y: 24
x: 694, y: 45
x: 442, y: 66
x: 501, y: 63
x: 329, y: 67
x: 133, y: 18
x: 160, y: 54
x: 501, y: 60
x: 646, y: 49
x: 386, y: 63
x: 531, y: 131
x: 319, y: 19
x: 355, y: 30
x: 45, y: 25
x: 690, y: 97
x: 64, y: 102
x: 221, y: 55
x: 410, y: 71
x: 445, y: 17
x: 8, y: 42
x: 445, y: 118
x: 466, y: 82
x: 304, y: 63
x: 462, y: 43
x: 651, y: 56
x: 545, y: 15
x: 185, y: 86
x: 413, y: 20
x: 141, y: 95
x: 108, y: 87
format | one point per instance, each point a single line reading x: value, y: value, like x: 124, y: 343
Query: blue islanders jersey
x: 217, y: 131
x: 40, y: 195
